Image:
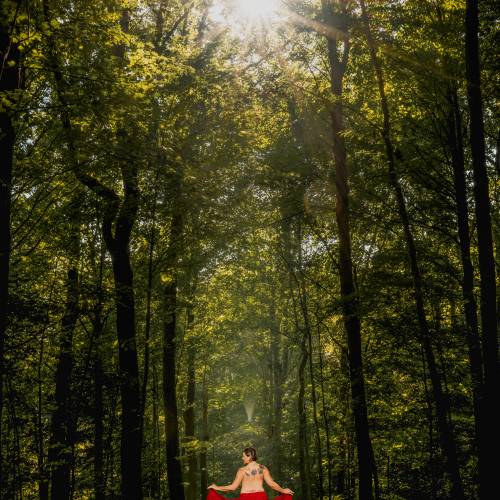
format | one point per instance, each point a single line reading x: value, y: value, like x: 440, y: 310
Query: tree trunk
x: 293, y: 260
x: 307, y: 327
x: 10, y: 80
x: 447, y: 439
x: 43, y: 482
x: 60, y: 456
x: 277, y: 399
x: 122, y: 213
x: 338, y: 22
x: 98, y: 327
x: 470, y: 308
x: 99, y: 489
x: 189, y: 415
x: 131, y: 439
x: 174, y: 470
x: 205, y: 437
x: 490, y: 409
x: 155, y: 483
x: 147, y: 332
x: 304, y: 470
x: 325, y: 411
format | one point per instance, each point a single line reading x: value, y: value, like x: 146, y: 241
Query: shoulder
x: 263, y: 467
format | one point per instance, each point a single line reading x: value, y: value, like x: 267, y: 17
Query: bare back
x: 253, y: 477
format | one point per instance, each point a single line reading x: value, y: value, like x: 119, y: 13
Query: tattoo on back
x: 255, y: 471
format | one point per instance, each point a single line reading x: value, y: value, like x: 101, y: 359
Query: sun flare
x: 256, y: 10
x: 246, y: 12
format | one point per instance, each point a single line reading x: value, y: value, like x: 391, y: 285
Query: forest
x: 233, y: 223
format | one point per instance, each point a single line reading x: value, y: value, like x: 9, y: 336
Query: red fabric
x: 260, y: 495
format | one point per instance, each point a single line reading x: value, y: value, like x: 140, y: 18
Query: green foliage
x: 234, y: 133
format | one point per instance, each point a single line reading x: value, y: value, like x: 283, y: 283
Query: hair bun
x: 251, y: 452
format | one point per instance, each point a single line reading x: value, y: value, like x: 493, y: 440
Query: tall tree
x: 338, y: 54
x: 60, y: 458
x: 447, y: 438
x: 170, y: 339
x: 189, y: 411
x: 487, y: 271
x: 120, y: 213
x: 455, y: 138
x: 11, y: 79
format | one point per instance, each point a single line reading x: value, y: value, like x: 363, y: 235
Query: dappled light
x: 249, y: 247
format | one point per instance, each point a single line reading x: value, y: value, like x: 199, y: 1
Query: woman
x: 251, y: 477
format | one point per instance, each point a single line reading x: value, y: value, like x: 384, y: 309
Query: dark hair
x: 251, y: 452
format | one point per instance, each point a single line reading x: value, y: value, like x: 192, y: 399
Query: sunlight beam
x: 256, y: 10
x: 238, y: 13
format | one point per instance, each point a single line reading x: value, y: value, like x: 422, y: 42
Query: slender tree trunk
x: 324, y: 411
x: 147, y: 333
x: 174, y: 470
x: 490, y: 411
x: 98, y: 327
x: 131, y: 439
x: 293, y: 259
x: 10, y: 80
x: 307, y: 326
x: 99, y: 487
x: 155, y: 483
x: 118, y: 246
x: 15, y: 487
x: 155, y: 164
x: 277, y: 399
x: 189, y: 415
x: 149, y: 481
x: 43, y: 482
x: 304, y: 469
x: 205, y: 437
x: 470, y: 307
x: 441, y: 401
x: 60, y: 456
x: 338, y: 22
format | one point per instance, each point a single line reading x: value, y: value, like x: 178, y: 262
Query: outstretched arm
x: 273, y: 484
x: 233, y: 486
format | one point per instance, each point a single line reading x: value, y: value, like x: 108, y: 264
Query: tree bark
x: 43, y: 480
x: 60, y: 455
x: 277, y: 371
x: 98, y: 416
x: 131, y: 439
x: 99, y: 486
x: 155, y: 482
x: 338, y: 64
x: 147, y: 329
x: 308, y: 333
x: 304, y: 470
x: 456, y: 146
x: 324, y: 411
x: 189, y: 415
x: 447, y: 439
x: 205, y: 437
x: 174, y: 470
x: 490, y: 409
x: 10, y: 80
